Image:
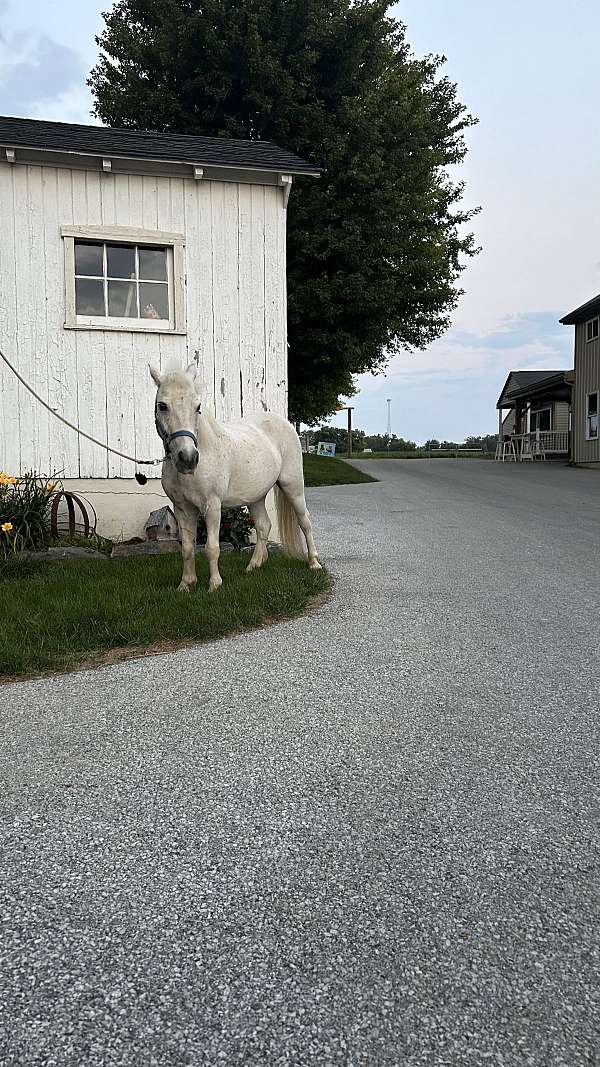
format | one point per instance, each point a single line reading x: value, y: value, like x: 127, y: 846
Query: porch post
x: 500, y: 421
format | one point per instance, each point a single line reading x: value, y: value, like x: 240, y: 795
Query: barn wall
x: 235, y: 313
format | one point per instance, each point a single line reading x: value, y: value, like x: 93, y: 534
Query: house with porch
x: 553, y: 414
x: 534, y: 415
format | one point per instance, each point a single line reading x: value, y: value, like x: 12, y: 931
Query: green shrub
x: 236, y: 527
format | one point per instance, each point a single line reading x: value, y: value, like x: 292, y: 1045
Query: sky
x: 527, y: 69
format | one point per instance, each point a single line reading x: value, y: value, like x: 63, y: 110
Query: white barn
x: 119, y: 249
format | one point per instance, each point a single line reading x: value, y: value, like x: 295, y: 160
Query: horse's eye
x: 162, y: 407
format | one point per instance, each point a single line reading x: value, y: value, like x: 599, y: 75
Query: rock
x: 70, y: 552
x: 146, y: 548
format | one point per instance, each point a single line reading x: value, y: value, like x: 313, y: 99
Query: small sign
x: 326, y: 448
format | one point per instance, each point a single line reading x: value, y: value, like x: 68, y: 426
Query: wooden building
x: 538, y: 418
x: 586, y: 392
x: 118, y: 249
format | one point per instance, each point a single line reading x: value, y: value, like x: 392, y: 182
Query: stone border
x: 121, y: 551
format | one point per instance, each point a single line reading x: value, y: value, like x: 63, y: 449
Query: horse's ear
x: 154, y: 374
x: 192, y: 370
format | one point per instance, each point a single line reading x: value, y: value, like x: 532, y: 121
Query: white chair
x: 505, y: 451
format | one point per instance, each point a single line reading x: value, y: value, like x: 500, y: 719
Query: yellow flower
x: 51, y: 487
x: 6, y: 527
x: 7, y: 479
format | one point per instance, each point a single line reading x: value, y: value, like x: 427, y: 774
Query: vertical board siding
x: 63, y: 391
x: 234, y: 267
x: 587, y: 380
x: 10, y: 430
x: 275, y: 318
x: 195, y: 199
x: 30, y: 309
x: 225, y: 299
x: 560, y: 416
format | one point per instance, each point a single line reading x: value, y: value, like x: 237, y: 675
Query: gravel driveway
x: 367, y: 837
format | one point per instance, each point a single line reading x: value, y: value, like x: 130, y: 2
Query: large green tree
x: 375, y: 246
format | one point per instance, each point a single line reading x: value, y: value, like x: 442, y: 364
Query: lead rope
x: 140, y: 478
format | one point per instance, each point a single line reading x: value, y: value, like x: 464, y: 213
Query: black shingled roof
x: 142, y: 144
x: 523, y: 381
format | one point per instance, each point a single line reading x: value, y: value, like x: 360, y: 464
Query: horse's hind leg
x: 262, y: 525
x: 293, y: 488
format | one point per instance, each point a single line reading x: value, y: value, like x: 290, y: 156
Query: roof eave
x: 199, y: 162
x: 580, y: 314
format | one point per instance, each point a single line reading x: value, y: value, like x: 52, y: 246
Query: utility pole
x: 344, y: 407
x: 389, y: 422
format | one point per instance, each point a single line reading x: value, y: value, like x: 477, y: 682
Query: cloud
x: 36, y: 70
x: 529, y: 341
x: 450, y: 390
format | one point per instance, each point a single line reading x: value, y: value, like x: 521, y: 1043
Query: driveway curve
x: 366, y: 837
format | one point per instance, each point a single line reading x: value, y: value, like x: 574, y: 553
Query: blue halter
x: 168, y: 437
x: 181, y: 433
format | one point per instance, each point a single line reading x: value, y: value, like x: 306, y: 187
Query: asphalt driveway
x: 366, y: 837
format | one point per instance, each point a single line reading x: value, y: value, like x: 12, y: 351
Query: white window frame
x: 128, y: 235
x: 589, y: 323
x: 589, y: 436
x: 538, y: 411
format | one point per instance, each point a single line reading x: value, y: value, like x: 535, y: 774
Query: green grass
x: 55, y: 615
x: 327, y: 470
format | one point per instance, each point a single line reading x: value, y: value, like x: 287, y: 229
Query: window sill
x: 133, y: 328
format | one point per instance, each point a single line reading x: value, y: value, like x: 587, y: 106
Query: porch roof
x: 525, y: 384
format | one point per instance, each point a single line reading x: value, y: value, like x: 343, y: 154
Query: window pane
x: 593, y: 426
x: 593, y: 404
x: 153, y: 264
x: 120, y: 261
x: 121, y: 300
x: 154, y: 300
x: 89, y: 297
x: 88, y: 259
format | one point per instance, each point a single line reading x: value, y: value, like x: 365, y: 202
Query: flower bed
x: 24, y: 512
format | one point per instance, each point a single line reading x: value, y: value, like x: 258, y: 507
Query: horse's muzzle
x: 186, y: 462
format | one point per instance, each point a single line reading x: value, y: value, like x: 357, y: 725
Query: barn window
x: 116, y: 283
x: 592, y: 329
x: 121, y: 281
x: 591, y: 419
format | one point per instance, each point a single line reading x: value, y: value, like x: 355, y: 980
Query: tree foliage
x: 376, y: 246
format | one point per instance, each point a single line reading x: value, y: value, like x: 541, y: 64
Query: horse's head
x: 176, y: 413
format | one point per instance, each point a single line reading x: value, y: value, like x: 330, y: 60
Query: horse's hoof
x: 314, y: 565
x: 215, y: 584
x: 183, y: 588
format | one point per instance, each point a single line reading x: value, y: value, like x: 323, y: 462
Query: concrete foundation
x: 122, y: 506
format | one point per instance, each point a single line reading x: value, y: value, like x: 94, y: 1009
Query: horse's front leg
x: 212, y: 517
x: 187, y: 519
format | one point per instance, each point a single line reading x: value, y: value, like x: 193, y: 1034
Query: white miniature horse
x: 209, y: 465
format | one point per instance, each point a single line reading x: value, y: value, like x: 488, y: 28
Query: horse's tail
x: 289, y: 529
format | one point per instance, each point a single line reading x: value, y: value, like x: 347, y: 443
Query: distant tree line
x: 380, y: 442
